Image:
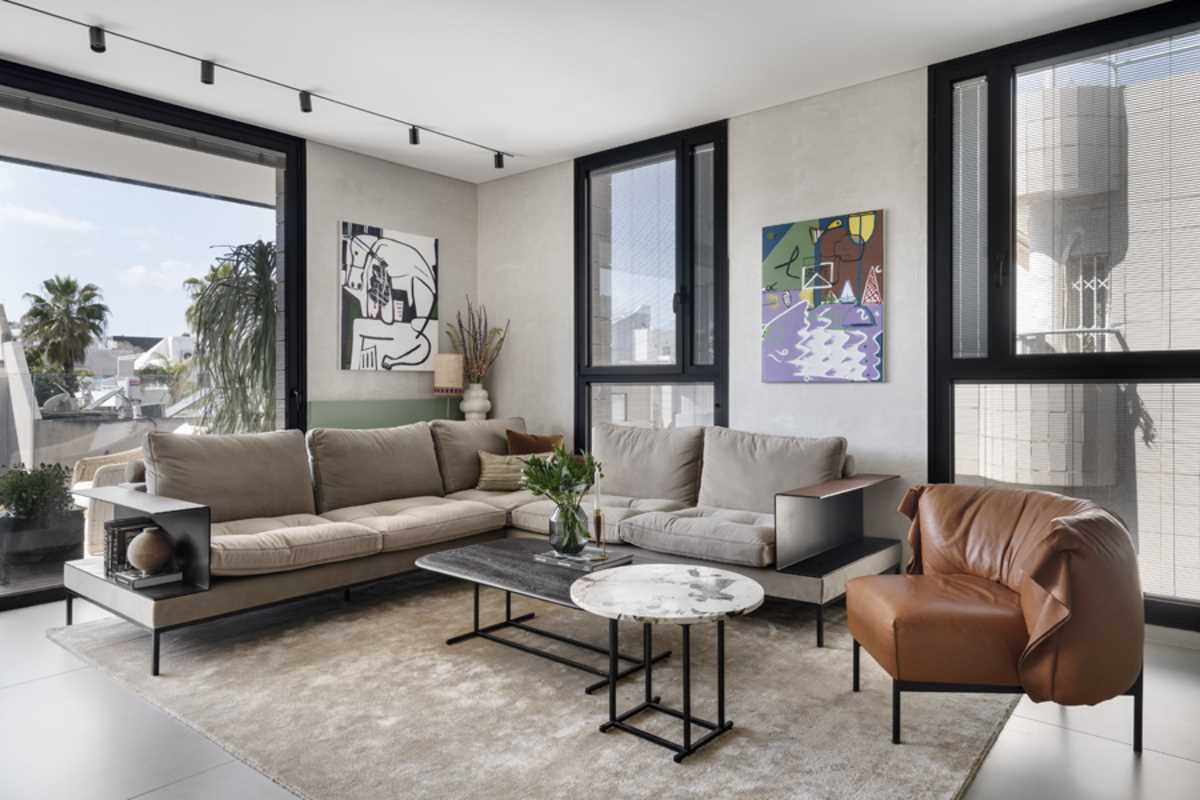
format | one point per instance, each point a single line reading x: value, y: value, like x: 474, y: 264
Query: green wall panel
x: 380, y: 413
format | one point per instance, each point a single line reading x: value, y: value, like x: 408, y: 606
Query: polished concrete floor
x: 67, y: 731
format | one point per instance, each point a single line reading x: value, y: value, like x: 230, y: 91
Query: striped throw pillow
x: 501, y: 473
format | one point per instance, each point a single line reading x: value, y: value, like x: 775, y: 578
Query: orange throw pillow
x: 528, y: 444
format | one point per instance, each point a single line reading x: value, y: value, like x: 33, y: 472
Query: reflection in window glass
x: 652, y: 405
x: 631, y: 230
x: 1107, y: 215
x: 1132, y: 448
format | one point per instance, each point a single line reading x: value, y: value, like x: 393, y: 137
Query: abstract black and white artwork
x: 389, y: 305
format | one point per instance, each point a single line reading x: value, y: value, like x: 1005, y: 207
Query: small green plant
x: 39, y: 494
x: 563, y: 478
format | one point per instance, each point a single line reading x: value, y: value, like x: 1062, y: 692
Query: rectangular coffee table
x: 508, y: 565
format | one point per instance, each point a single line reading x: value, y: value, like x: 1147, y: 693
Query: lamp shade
x: 448, y: 373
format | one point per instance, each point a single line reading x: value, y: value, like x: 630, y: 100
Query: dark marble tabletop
x: 507, y: 564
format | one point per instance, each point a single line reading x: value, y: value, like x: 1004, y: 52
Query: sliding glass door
x: 1063, y: 284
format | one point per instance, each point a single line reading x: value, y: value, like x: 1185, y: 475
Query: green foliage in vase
x: 233, y: 317
x: 40, y: 493
x: 477, y: 340
x: 562, y: 477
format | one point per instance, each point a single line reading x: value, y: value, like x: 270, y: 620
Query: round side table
x: 658, y: 594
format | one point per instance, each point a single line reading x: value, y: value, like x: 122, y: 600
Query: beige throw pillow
x: 499, y: 473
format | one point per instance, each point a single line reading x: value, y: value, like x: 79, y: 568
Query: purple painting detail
x: 832, y: 343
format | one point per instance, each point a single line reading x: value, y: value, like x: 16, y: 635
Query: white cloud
x: 44, y: 219
x: 167, y: 276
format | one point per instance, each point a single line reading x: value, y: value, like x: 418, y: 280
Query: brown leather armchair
x: 1008, y: 590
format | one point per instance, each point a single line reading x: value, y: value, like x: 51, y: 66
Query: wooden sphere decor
x: 149, y: 551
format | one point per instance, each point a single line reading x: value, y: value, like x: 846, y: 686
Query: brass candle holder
x: 598, y: 533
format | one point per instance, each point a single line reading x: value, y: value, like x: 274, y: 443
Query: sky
x: 136, y: 243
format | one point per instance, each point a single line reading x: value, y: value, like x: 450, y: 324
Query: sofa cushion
x: 525, y: 444
x: 746, y: 470
x: 535, y: 517
x: 939, y: 628
x: 501, y: 473
x: 505, y: 501
x: 239, y: 476
x: 649, y: 462
x: 352, y: 467
x: 711, y: 534
x: 419, y: 521
x: 458, y: 443
x: 276, y: 544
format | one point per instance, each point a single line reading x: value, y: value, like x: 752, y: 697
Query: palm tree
x: 63, y: 321
x: 232, y: 317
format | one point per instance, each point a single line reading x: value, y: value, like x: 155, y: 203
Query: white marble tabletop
x: 681, y: 594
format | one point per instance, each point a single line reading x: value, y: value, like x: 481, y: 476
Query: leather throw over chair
x: 1008, y: 591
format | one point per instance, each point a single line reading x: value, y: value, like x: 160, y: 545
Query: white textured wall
x: 858, y: 148
x: 347, y: 186
x: 527, y: 274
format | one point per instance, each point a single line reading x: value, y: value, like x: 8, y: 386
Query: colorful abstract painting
x: 822, y: 300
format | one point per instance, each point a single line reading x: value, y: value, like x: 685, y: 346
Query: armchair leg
x: 1137, y: 714
x: 895, y: 711
x: 820, y: 625
x: 857, y: 647
x: 70, y: 608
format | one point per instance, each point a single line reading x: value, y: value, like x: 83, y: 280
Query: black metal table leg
x: 154, y: 652
x: 612, y: 676
x: 721, y: 673
x: 820, y: 625
x: 687, y: 689
x: 70, y: 608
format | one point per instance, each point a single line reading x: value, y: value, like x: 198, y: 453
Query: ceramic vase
x: 568, y: 530
x: 475, y: 404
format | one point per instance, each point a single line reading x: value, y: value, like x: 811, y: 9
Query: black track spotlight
x: 499, y: 160
x: 208, y: 73
x: 414, y: 135
x: 96, y: 36
x: 306, y: 102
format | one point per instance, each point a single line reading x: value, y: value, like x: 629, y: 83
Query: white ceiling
x: 548, y: 80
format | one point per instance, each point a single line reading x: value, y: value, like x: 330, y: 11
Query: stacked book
x: 589, y: 559
x: 134, y: 579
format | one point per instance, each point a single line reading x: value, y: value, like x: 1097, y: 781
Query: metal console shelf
x: 819, y: 534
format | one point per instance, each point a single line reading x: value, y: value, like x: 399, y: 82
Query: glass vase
x: 568, y: 530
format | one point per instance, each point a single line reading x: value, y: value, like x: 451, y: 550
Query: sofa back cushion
x: 746, y: 470
x: 661, y: 463
x: 458, y: 444
x: 355, y: 467
x: 237, y: 476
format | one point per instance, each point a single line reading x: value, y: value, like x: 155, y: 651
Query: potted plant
x: 480, y: 345
x: 563, y: 478
x: 39, y: 519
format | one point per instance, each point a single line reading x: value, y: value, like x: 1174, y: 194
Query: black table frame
x: 653, y: 702
x: 609, y: 677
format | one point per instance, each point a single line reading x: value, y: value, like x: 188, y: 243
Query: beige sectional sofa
x: 293, y: 515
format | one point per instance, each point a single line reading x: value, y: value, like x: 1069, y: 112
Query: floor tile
x: 26, y: 653
x: 80, y: 735
x: 1171, y: 717
x: 1035, y: 761
x: 232, y: 780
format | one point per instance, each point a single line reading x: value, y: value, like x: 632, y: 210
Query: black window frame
x: 51, y: 84
x: 1002, y: 364
x: 684, y: 371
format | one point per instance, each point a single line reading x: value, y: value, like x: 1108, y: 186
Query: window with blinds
x: 1108, y: 199
x: 969, y: 223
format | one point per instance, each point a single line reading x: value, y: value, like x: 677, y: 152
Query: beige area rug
x: 365, y: 700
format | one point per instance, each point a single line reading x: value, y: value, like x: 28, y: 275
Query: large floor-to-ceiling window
x: 650, y: 283
x: 150, y: 280
x: 1065, y: 289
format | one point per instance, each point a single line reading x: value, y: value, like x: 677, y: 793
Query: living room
x: 523, y: 399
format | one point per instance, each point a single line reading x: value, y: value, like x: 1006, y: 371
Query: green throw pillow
x: 501, y: 473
